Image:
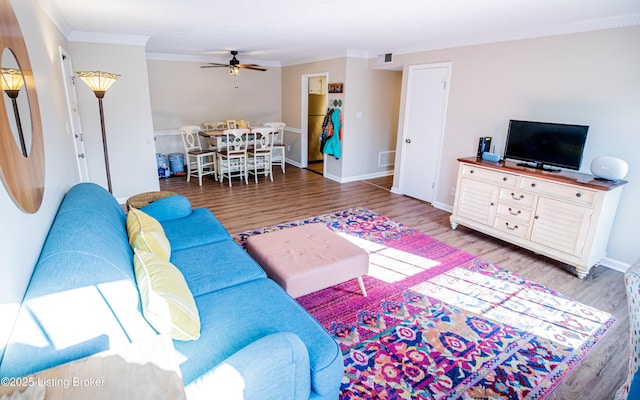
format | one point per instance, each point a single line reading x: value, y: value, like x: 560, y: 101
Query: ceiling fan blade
x: 255, y: 67
x: 214, y: 65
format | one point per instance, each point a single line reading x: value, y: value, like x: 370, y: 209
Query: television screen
x: 546, y: 144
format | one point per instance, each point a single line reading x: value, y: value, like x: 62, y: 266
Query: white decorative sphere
x: 611, y: 168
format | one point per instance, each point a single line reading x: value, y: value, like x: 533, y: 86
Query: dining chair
x: 278, y: 144
x: 260, y: 156
x: 200, y: 162
x: 232, y: 161
x: 212, y: 125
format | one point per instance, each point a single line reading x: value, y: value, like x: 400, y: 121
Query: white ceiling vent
x: 385, y: 59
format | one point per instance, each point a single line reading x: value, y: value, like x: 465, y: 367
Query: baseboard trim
x: 292, y: 162
x: 615, y: 265
x: 380, y: 174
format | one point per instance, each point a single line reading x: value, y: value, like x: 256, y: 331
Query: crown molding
x: 349, y: 53
x: 108, y: 38
x: 557, y: 30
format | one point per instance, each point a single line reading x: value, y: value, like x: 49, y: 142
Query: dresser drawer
x: 520, y: 197
x: 559, y: 191
x: 489, y: 175
x: 514, y: 212
x: 516, y: 228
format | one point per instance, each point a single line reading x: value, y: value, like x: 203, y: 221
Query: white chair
x: 200, y: 162
x: 232, y: 161
x: 213, y: 125
x: 259, y: 157
x: 278, y: 153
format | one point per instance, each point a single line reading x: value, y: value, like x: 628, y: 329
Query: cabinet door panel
x: 477, y: 201
x: 561, y: 226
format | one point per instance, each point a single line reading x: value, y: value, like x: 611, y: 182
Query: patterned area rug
x: 439, y: 323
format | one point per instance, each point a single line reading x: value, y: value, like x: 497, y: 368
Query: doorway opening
x: 314, y: 106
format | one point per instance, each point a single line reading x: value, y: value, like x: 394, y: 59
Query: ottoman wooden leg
x: 362, y: 288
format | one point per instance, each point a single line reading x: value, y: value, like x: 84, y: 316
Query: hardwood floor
x: 300, y: 193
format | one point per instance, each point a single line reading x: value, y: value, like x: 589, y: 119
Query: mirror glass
x: 16, y: 101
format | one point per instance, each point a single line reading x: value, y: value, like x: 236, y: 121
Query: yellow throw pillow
x: 167, y: 302
x: 146, y: 234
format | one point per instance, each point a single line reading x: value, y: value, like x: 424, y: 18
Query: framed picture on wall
x: 335, y: 87
x: 231, y: 124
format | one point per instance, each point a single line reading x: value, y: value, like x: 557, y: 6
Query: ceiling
x: 286, y: 32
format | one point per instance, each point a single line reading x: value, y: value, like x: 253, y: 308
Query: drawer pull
x: 533, y: 185
x: 513, y: 196
x: 514, y: 213
x: 515, y: 227
x: 578, y: 194
x: 471, y: 172
x: 504, y: 179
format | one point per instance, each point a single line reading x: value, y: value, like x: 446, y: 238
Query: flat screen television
x: 544, y: 145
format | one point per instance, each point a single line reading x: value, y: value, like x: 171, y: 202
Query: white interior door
x: 74, y: 128
x: 426, y: 106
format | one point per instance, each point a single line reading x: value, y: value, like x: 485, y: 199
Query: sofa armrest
x: 168, y: 208
x: 273, y: 367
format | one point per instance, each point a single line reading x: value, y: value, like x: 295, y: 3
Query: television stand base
x: 539, y: 166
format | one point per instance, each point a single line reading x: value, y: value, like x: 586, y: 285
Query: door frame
x: 405, y: 133
x: 79, y: 150
x: 304, y: 120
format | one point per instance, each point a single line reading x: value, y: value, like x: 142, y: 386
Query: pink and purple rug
x: 439, y: 323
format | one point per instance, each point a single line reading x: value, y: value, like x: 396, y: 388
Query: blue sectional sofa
x: 255, y: 340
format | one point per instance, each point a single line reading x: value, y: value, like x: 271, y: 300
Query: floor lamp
x: 100, y: 82
x: 12, y: 82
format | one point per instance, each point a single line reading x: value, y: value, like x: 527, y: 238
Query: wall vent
x: 386, y: 158
x: 384, y: 59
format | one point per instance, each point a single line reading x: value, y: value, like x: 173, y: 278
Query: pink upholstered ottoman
x: 308, y: 258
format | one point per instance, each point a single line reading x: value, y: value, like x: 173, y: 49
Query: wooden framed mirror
x: 21, y: 141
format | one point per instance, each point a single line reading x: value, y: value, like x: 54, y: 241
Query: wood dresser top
x: 570, y: 177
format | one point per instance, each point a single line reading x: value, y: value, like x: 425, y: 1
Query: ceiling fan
x: 234, y: 65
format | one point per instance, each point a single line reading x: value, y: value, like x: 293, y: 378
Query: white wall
x: 22, y: 235
x: 372, y: 94
x: 587, y: 78
x: 127, y: 113
x: 182, y: 93
x: 372, y: 106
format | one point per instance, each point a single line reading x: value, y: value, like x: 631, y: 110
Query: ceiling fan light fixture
x: 234, y: 70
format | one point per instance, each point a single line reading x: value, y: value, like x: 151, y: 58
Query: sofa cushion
x: 237, y: 316
x: 216, y: 266
x: 146, y: 234
x: 168, y: 208
x: 167, y: 303
x: 197, y: 229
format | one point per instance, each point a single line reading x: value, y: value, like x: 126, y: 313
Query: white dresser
x: 564, y: 215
